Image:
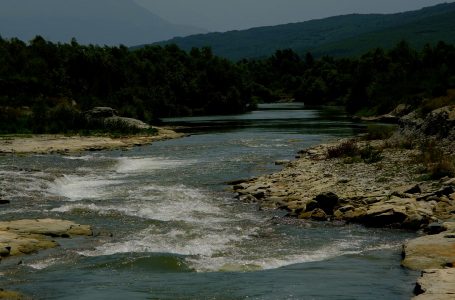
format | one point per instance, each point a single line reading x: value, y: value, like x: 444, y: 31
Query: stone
x: 319, y: 215
x: 436, y: 284
x: 383, y: 215
x: 435, y: 228
x: 10, y: 295
x: 282, y: 162
x: 430, y: 252
x: 5, y: 251
x: 100, y: 112
x: 346, y: 208
x: 311, y: 205
x: 327, y: 202
x: 28, y: 236
x: 121, y: 122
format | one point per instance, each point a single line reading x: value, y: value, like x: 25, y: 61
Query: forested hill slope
x: 342, y: 35
x: 89, y: 21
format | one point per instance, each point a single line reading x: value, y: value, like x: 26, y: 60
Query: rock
x: 4, y: 201
x: 10, y: 295
x: 319, y: 215
x: 435, y: 228
x: 28, y: 236
x: 282, y: 162
x: 436, y: 284
x: 382, y: 215
x: 117, y: 123
x: 311, y: 205
x: 446, y: 191
x: 327, y: 202
x: 430, y: 252
x: 48, y: 227
x: 100, y: 113
x: 346, y: 208
x: 5, y: 251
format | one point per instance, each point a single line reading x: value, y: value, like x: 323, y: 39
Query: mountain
x: 89, y: 21
x: 340, y: 36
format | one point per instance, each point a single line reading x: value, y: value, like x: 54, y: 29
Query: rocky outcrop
x: 392, y: 117
x: 436, y: 285
x: 431, y: 251
x: 100, y: 113
x: 381, y: 194
x: 121, y: 123
x: 28, y: 236
x: 108, y: 118
x: 439, y: 124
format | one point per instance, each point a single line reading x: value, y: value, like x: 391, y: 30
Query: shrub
x: 370, y: 155
x: 347, y: 148
x: 435, y: 162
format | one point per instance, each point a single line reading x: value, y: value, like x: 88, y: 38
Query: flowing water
x: 167, y: 226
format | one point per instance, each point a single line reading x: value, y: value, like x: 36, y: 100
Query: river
x: 168, y: 227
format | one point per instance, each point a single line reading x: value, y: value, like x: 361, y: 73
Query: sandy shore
x: 67, y: 144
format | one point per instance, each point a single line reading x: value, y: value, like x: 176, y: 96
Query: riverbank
x: 406, y: 181
x: 43, y: 144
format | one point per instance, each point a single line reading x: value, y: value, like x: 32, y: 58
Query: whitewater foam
x: 141, y: 164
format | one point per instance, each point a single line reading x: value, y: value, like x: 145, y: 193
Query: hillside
x: 89, y: 21
x: 341, y: 35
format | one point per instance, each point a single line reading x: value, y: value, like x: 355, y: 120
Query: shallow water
x: 169, y: 228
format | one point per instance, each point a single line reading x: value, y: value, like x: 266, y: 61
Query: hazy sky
x: 222, y: 15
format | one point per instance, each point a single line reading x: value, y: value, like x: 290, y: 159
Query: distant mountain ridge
x: 341, y: 35
x: 89, y: 21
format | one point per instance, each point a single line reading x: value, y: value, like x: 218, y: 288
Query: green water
x: 169, y: 228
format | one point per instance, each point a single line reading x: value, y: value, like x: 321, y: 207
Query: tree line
x: 45, y: 86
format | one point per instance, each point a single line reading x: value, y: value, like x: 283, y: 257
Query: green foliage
x: 58, y: 81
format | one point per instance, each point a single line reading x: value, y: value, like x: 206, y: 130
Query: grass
x: 436, y: 164
x: 352, y: 153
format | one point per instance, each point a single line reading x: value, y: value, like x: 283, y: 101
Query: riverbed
x: 168, y: 226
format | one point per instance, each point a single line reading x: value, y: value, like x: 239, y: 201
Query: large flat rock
x: 431, y: 251
x: 436, y: 285
x: 28, y: 236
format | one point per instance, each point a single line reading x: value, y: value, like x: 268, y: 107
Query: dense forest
x: 45, y: 87
x: 348, y: 35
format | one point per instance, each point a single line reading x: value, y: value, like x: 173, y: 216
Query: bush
x: 370, y: 155
x: 436, y: 164
x: 347, y: 148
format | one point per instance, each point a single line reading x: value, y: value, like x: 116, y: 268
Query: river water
x: 167, y: 226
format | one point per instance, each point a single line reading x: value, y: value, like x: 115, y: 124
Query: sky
x: 224, y: 15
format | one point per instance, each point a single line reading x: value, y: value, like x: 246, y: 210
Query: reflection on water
x: 169, y: 228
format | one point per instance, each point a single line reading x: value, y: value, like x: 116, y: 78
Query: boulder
x: 327, y: 202
x: 100, y: 113
x: 319, y: 215
x: 431, y: 251
x: 116, y: 123
x: 436, y: 284
x: 382, y: 215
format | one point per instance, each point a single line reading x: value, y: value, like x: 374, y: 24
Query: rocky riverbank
x: 406, y: 181
x: 43, y: 144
